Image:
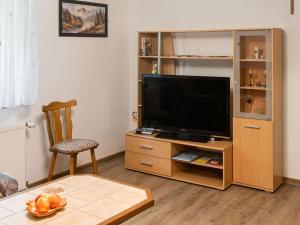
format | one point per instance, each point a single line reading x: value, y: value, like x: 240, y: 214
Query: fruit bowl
x: 31, y: 208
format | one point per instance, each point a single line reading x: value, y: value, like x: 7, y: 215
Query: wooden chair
x: 65, y: 145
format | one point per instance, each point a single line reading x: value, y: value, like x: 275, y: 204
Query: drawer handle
x: 145, y: 163
x: 148, y: 147
x: 252, y: 127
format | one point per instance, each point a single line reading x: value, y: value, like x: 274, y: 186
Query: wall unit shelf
x: 198, y: 57
x: 253, y: 88
x: 148, y: 57
x: 255, y: 63
x: 254, y: 60
x: 207, y: 178
x: 202, y: 164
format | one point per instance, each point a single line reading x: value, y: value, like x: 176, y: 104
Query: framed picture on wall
x: 82, y: 19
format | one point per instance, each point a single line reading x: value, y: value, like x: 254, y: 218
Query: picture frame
x: 82, y: 19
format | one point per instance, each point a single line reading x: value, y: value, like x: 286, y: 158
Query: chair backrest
x: 54, y: 126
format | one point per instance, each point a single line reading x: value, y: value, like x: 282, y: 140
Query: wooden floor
x: 186, y: 204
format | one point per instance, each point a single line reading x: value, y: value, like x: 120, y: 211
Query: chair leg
x: 94, y: 162
x: 51, y: 170
x: 75, y: 164
x: 72, y: 164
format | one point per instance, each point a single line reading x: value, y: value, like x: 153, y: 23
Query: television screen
x: 192, y: 104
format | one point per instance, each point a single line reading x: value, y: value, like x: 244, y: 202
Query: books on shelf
x: 146, y: 44
x: 204, y: 158
x: 216, y: 162
x: 187, y: 155
x: 210, y: 158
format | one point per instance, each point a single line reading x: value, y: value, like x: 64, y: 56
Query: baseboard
x: 286, y: 180
x: 65, y: 173
x: 291, y: 181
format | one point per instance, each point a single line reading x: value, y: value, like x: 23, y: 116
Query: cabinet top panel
x: 211, y: 145
x: 208, y: 30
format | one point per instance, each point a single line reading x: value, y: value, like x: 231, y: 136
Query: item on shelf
x: 216, y: 162
x: 256, y: 52
x: 249, y: 99
x: 250, y: 102
x: 155, y: 67
x: 255, y: 76
x: 261, y: 54
x: 265, y: 75
x: 146, y: 44
x: 258, y: 84
x: 258, y: 110
x: 145, y: 131
x: 250, y: 77
x: 206, y: 157
x: 187, y: 155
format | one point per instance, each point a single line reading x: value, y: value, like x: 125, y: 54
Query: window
x: 18, y: 53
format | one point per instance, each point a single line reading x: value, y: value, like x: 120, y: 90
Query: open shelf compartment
x: 201, y: 158
x: 202, y: 173
x: 202, y: 176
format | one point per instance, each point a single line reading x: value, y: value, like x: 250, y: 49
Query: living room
x: 102, y: 73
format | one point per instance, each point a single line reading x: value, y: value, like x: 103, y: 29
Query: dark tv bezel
x: 226, y: 134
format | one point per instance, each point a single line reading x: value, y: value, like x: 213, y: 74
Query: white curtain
x: 18, y: 53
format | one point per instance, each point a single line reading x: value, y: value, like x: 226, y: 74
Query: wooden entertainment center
x: 254, y: 156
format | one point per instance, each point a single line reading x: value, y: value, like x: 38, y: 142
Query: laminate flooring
x: 179, y: 203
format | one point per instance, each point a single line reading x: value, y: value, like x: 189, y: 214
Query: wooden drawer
x: 148, y: 147
x: 148, y: 163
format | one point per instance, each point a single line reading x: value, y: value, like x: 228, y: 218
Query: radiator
x: 12, y: 153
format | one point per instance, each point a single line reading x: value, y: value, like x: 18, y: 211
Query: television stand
x: 183, y: 136
x: 153, y: 155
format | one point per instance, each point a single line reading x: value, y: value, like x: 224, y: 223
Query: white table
x: 90, y: 200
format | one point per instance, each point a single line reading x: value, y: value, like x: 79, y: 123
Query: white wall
x: 202, y: 14
x: 92, y: 70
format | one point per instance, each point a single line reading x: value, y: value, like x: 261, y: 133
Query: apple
x: 42, y: 204
x: 41, y: 195
x: 37, y: 197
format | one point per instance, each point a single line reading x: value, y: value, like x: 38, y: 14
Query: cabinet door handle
x: 145, y: 163
x: 252, y: 127
x: 148, y: 147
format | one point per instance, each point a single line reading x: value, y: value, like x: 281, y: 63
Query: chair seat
x: 74, y: 146
x: 8, y: 185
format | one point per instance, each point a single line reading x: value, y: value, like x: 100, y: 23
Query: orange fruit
x: 55, y: 201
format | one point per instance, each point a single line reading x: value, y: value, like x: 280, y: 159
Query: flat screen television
x: 187, y: 104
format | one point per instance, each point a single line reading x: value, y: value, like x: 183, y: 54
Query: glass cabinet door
x: 253, y: 74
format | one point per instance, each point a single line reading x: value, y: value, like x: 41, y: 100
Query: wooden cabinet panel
x: 148, y: 147
x: 148, y: 163
x: 253, y: 152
